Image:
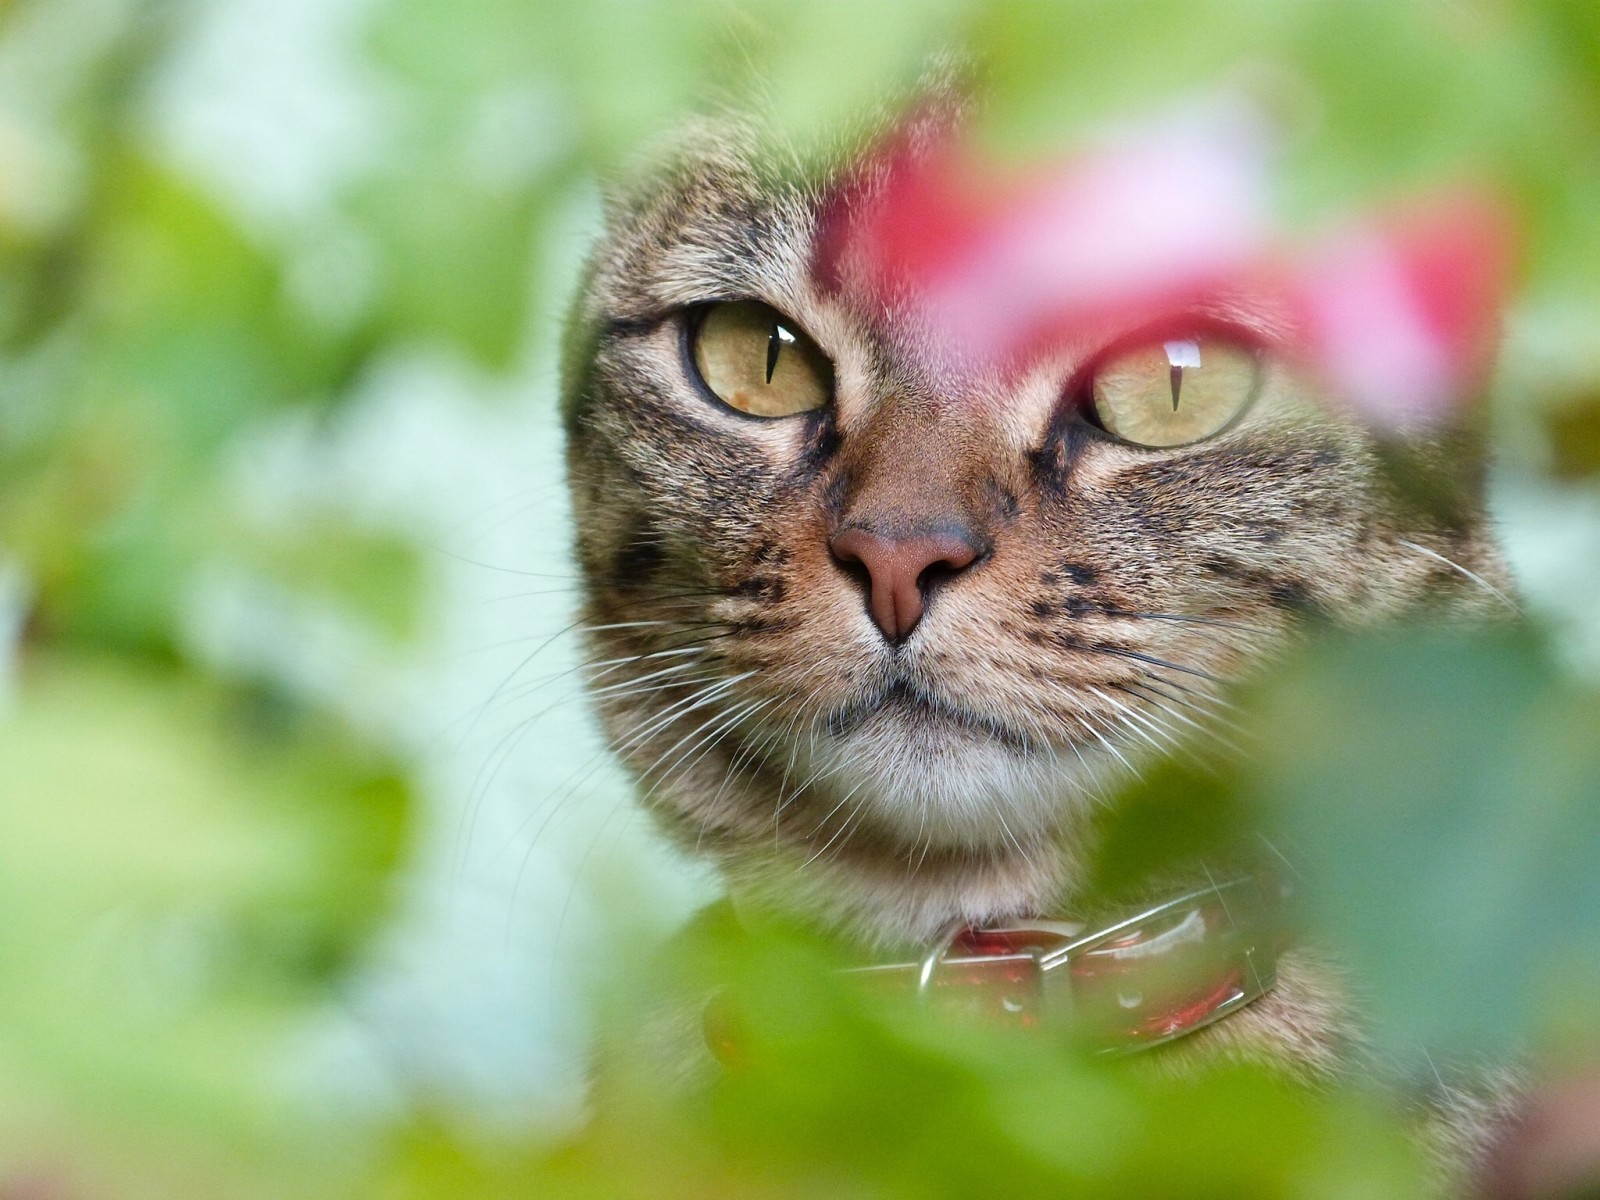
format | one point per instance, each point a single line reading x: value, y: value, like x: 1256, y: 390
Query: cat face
x: 875, y: 631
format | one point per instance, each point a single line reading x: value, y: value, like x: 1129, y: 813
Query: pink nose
x: 901, y: 571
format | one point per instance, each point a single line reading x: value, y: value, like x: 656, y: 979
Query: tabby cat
x: 873, y: 637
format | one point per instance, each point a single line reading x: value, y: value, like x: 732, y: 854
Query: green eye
x: 1176, y: 392
x: 755, y: 359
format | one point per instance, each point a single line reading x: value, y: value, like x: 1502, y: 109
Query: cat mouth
x: 918, y: 710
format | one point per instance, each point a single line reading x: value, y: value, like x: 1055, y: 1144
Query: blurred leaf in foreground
x: 184, y: 868
x: 1573, y: 434
x: 1442, y: 794
x: 834, y: 1092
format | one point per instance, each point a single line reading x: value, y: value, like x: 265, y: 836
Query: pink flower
x: 1400, y: 314
x: 1396, y: 316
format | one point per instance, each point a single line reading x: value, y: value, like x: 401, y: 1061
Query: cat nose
x: 901, y: 570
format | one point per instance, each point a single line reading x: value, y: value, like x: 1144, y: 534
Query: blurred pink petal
x: 1396, y: 316
x: 1141, y: 224
x: 1400, y: 318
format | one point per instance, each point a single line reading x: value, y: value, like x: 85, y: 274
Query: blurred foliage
x: 837, y: 1093
x: 1443, y: 796
x: 190, y: 861
x: 190, y: 866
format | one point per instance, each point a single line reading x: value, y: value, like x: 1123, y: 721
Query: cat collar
x: 1139, y: 981
x: 1148, y: 977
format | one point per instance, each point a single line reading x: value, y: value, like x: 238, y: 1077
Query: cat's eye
x: 755, y: 359
x: 1174, y: 392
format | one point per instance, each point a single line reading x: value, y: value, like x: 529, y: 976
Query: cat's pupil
x: 1180, y: 354
x: 776, y: 340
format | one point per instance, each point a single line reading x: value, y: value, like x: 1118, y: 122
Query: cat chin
x: 940, y: 787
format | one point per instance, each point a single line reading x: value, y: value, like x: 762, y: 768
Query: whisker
x: 1005, y: 828
x: 580, y: 587
x: 637, y: 732
x: 1185, y: 619
x: 1136, y: 656
x: 1208, y: 708
x: 473, y: 562
x: 482, y: 780
x: 1085, y: 719
x: 1175, y: 714
x: 1099, y: 794
x: 505, y: 696
x: 506, y: 643
x: 1128, y: 711
x: 1192, y: 694
x: 691, y: 703
x: 552, y: 807
x: 1459, y: 569
x: 724, y: 724
x: 843, y: 825
x: 752, y: 747
x: 632, y: 687
x: 525, y: 499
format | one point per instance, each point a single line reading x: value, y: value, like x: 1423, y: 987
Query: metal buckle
x: 931, y: 960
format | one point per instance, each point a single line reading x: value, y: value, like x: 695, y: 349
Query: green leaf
x: 184, y: 869
x: 458, y: 257
x: 1442, y: 795
x: 374, y: 576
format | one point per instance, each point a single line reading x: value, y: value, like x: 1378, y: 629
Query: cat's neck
x: 883, y: 899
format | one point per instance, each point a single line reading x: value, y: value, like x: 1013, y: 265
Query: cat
x: 873, y: 638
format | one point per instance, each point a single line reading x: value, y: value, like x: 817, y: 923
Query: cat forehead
x: 709, y: 219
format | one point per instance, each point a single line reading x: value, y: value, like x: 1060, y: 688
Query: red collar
x: 1140, y: 980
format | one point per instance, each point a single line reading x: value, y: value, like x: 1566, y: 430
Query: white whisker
x: 1459, y: 569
